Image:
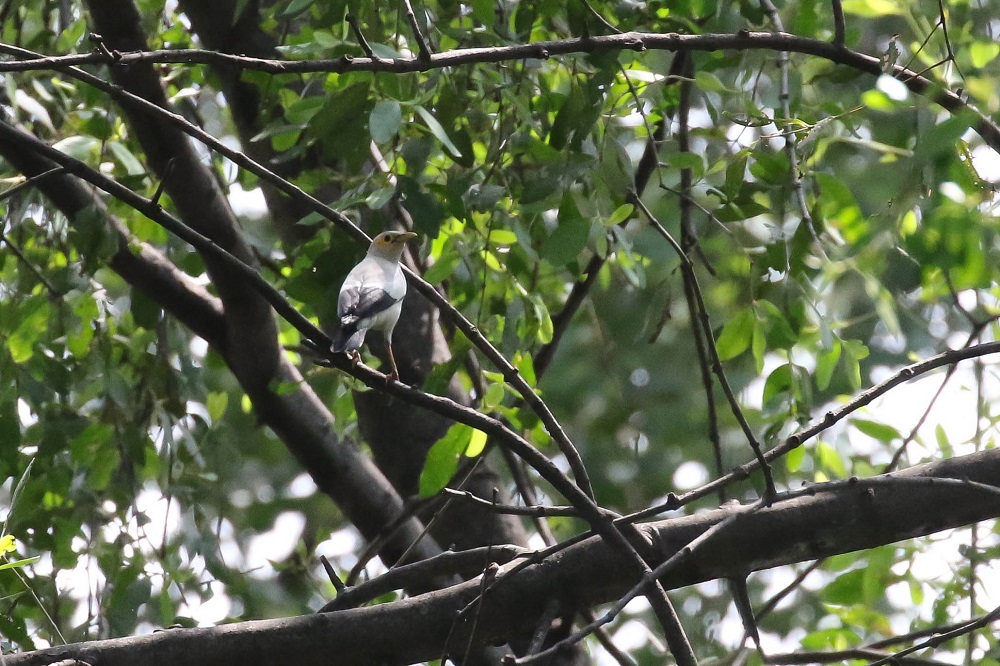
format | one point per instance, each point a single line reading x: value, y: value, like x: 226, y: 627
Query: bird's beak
x: 407, y: 237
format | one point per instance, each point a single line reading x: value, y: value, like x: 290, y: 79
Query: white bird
x: 372, y: 296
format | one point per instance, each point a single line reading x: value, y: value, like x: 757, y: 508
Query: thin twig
x: 549, y: 614
x: 839, y: 32
x: 688, y: 268
x: 447, y: 563
x: 423, y: 53
x: 934, y: 641
x: 167, y: 172
x: 901, y: 449
x: 536, y: 511
x: 49, y: 287
x: 842, y: 656
x: 360, y: 36
x: 947, y: 41
x: 600, y: 18
x: 526, y: 489
x: 31, y: 182
x: 561, y: 321
x: 331, y: 573
x: 688, y: 240
x: 490, y: 572
x: 791, y: 140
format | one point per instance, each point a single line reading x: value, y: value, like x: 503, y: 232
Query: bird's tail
x: 349, y: 338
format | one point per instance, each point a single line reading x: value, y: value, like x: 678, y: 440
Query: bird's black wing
x: 362, y: 303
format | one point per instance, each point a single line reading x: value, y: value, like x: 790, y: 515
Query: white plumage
x: 372, y: 295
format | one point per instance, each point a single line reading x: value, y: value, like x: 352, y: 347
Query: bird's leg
x: 394, y: 375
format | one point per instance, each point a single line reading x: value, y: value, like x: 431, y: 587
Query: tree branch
x: 829, y: 519
x: 742, y: 40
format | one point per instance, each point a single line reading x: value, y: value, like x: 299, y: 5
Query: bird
x: 372, y: 297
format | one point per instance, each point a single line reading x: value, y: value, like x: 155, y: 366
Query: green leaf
x: 443, y: 267
x: 941, y: 435
x: 565, y: 243
x: 794, y: 458
x: 736, y: 174
x: 494, y: 395
x: 845, y: 590
x: 525, y: 366
x: 7, y: 544
x: 18, y: 489
x: 340, y: 124
x: 616, y: 168
x: 477, y: 442
x: 709, y: 82
x: 438, y: 131
x: 20, y: 563
x: 882, y: 432
x: 295, y: 7
x: 133, y: 166
x: 982, y: 53
x: 826, y: 363
x: 620, y: 214
x: 32, y: 315
x: 830, y: 459
x: 545, y: 327
x: 385, y: 120
x: 78, y: 147
x: 439, y: 378
x: 736, y: 335
x: 442, y: 459
x: 778, y: 382
x: 483, y: 11
x: 942, y: 138
x: 692, y: 161
x: 502, y: 237
x: 216, y: 405
x: 854, y: 352
x: 871, y: 8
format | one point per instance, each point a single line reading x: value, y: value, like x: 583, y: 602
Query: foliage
x: 153, y: 491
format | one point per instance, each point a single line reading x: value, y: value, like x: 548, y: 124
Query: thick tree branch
x: 829, y: 519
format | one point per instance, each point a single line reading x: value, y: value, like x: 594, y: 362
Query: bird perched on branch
x: 372, y: 296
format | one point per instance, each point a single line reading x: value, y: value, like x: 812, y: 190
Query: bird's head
x: 390, y: 244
